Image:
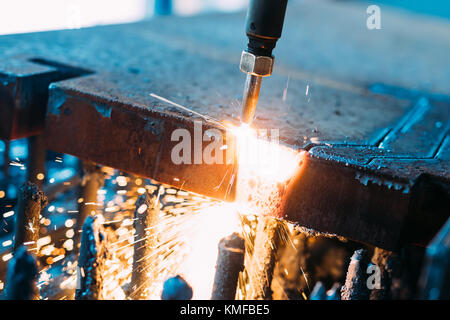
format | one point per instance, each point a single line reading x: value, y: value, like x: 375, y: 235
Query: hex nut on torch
x: 256, y: 65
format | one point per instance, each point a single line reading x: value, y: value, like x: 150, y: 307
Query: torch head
x: 256, y: 67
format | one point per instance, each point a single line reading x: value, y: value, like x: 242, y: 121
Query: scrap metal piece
x: 91, y: 261
x: 31, y: 202
x: 434, y: 282
x: 355, y: 287
x: 93, y: 179
x: 260, y: 269
x: 22, y: 276
x: 146, y: 218
x: 230, y: 262
x: 388, y: 264
x: 176, y: 288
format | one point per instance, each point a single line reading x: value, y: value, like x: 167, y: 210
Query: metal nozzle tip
x: 250, y: 98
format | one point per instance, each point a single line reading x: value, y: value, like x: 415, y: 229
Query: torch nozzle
x: 250, y: 98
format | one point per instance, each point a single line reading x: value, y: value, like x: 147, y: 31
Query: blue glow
x: 60, y: 175
x: 18, y: 149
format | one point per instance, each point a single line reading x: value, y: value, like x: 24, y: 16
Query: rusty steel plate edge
x: 136, y: 139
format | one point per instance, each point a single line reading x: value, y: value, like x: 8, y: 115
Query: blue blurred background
x: 21, y: 16
x: 439, y: 8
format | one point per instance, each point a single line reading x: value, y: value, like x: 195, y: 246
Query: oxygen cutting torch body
x: 263, y: 27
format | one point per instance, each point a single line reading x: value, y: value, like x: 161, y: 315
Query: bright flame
x: 213, y: 224
x: 265, y: 168
x: 264, y: 157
